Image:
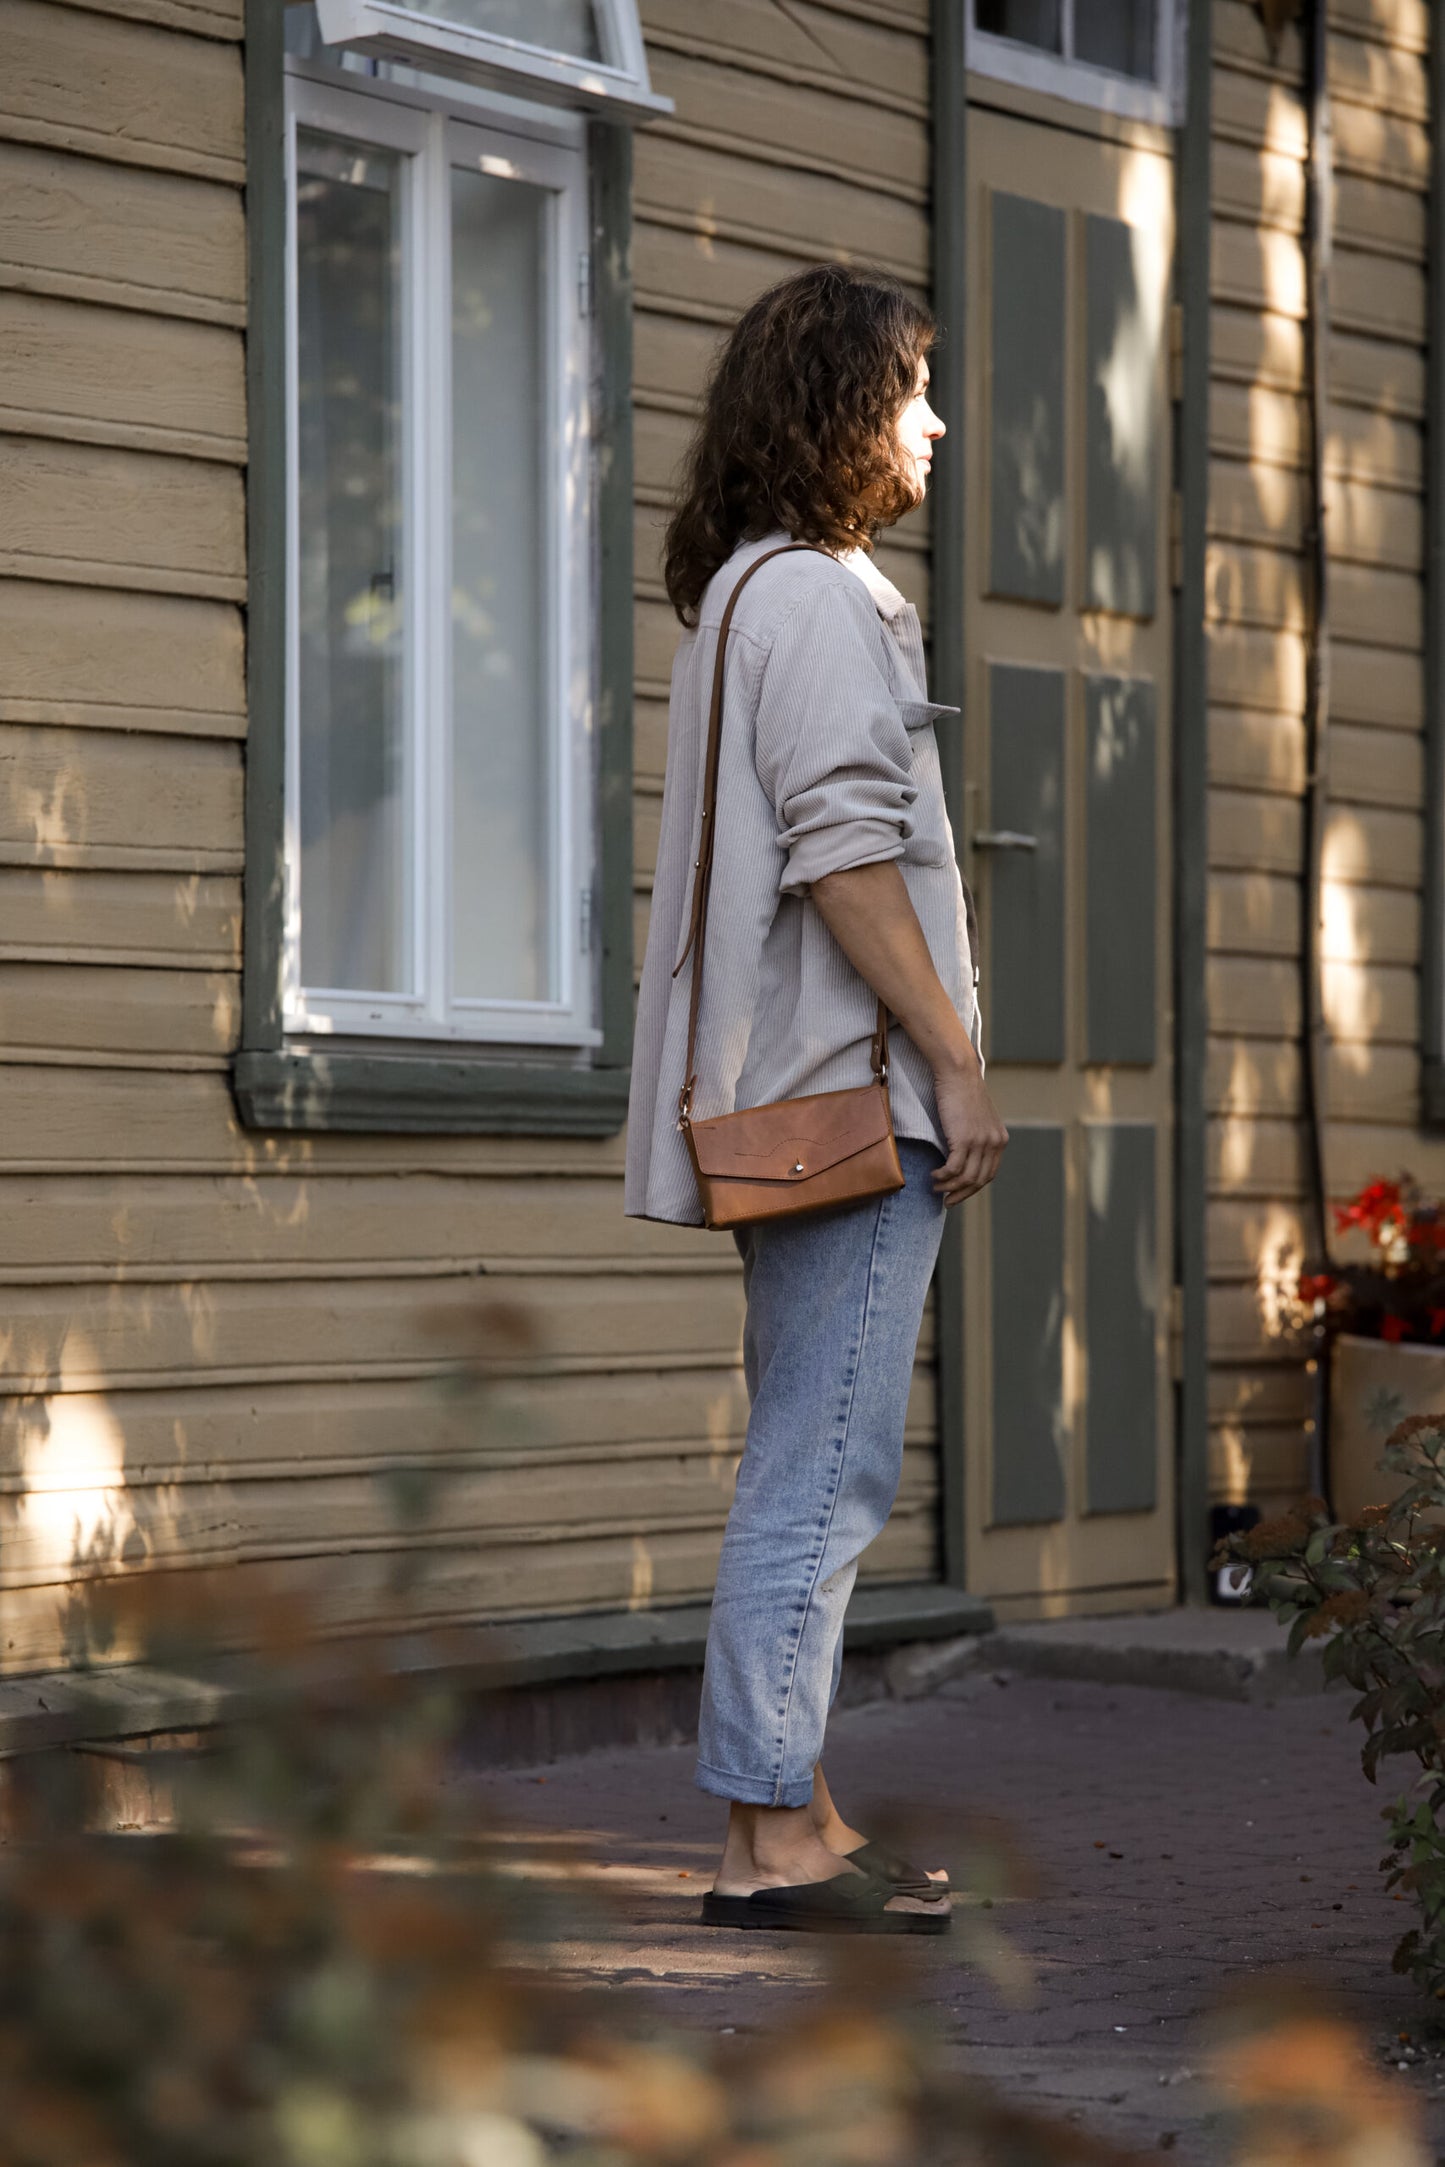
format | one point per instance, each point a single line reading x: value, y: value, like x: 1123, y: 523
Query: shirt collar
x: 886, y: 597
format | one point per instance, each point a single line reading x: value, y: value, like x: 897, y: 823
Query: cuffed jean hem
x: 750, y: 1790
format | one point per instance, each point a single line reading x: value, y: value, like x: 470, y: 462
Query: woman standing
x: 834, y: 886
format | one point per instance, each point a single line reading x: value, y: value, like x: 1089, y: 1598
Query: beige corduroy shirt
x: 828, y: 761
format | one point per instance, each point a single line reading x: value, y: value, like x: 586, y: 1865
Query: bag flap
x: 793, y: 1137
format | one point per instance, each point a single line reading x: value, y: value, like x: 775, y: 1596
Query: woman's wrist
x: 957, y: 1064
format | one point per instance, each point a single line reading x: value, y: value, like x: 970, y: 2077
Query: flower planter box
x: 1375, y: 1384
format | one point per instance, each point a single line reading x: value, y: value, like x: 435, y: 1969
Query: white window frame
x: 432, y: 137
x: 619, y: 82
x: 1061, y: 76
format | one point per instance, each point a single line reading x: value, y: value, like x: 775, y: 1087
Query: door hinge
x: 586, y: 918
x: 1176, y: 539
x: 584, y: 283
x: 1176, y: 352
x: 1176, y: 1335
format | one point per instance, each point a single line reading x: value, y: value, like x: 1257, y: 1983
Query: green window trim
x: 403, y: 1094
x: 1191, y: 795
x: 948, y: 672
x: 1432, y: 946
x: 350, y: 1088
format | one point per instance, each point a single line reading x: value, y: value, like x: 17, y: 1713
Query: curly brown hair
x: 799, y: 424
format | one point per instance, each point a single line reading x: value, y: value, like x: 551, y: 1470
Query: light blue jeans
x: 834, y: 1301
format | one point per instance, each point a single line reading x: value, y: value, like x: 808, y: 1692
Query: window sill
x: 411, y: 1094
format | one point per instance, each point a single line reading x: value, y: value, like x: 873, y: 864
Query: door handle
x: 1003, y: 839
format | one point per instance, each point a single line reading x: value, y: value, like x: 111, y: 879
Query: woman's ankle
x: 829, y: 1824
x: 772, y: 1844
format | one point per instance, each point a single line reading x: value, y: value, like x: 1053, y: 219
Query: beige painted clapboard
x: 1068, y: 1403
x: 1258, y: 516
x: 213, y: 1339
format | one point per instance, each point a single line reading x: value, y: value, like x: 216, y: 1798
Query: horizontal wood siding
x: 1258, y: 619
x: 216, y: 1343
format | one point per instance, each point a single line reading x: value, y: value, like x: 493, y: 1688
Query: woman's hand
x: 974, y: 1133
x: 869, y: 914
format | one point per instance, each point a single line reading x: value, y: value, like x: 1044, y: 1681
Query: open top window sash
x: 620, y: 84
x: 432, y: 143
x: 1083, y: 82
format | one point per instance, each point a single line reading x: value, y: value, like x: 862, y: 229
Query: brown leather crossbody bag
x: 795, y: 1155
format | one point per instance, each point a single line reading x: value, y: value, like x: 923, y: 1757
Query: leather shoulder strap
x: 707, y: 840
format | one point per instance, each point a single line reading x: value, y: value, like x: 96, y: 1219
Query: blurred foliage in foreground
x: 1376, y: 1586
x: 322, y: 1958
x: 323, y: 1961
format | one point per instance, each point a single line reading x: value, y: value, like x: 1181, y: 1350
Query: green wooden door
x: 1067, y: 1393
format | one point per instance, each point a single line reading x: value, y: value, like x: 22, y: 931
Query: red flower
x: 1379, y: 1209
x: 1316, y: 1286
x: 1376, y: 1202
x: 1393, y: 1328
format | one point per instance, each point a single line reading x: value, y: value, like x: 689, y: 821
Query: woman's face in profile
x: 919, y: 429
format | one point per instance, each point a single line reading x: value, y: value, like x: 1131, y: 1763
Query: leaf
x: 1384, y: 1408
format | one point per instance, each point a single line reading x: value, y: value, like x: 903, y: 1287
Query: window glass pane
x: 557, y: 26
x: 351, y: 599
x: 500, y: 707
x: 1116, y: 34
x: 1031, y: 22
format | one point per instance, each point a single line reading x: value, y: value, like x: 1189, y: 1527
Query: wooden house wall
x: 216, y: 1342
x: 1257, y: 617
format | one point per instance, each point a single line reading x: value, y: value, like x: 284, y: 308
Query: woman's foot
x: 836, y: 1835
x: 778, y: 1847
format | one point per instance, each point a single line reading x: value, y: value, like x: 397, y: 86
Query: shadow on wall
x: 443, y: 1496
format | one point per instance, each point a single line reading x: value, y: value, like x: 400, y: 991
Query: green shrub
x: 1376, y: 1587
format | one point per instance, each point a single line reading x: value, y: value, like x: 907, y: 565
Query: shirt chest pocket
x: 931, y: 842
x: 918, y: 714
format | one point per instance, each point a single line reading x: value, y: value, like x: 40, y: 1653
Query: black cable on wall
x: 1319, y: 237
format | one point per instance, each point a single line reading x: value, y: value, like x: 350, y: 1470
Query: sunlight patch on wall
x: 51, y: 818
x: 1133, y: 327
x: 1286, y: 126
x: 1275, y: 491
x: 1282, y: 264
x: 1236, y: 1151
x: 1280, y: 1255
x: 639, y: 1595
x: 727, y: 1415
x: 1350, y: 992
x: 74, y: 1510
x: 1229, y: 1465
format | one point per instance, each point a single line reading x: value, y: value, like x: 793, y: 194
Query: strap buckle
x: 684, y: 1102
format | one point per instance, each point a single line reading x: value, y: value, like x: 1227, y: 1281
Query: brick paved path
x: 1182, y: 1845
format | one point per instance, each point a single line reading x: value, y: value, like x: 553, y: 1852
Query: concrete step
x: 1223, y: 1654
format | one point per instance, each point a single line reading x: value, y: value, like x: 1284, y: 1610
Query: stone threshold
x: 1223, y: 1654
x: 526, y: 1660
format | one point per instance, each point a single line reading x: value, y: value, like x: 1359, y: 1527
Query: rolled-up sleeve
x: 832, y: 750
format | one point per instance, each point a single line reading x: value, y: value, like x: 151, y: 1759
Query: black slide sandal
x: 902, y: 1877
x: 848, y: 1904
